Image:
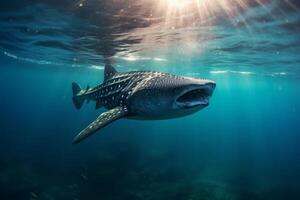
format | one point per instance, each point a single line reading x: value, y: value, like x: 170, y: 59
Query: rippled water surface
x: 243, y: 146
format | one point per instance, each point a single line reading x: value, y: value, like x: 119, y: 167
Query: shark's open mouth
x: 195, y: 97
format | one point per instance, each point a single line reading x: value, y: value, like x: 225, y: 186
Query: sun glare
x: 177, y: 4
x: 177, y: 20
x: 203, y: 8
x: 186, y: 13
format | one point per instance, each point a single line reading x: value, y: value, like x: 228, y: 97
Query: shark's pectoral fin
x: 103, y: 120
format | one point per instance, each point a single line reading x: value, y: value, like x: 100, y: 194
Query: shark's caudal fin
x: 77, y: 98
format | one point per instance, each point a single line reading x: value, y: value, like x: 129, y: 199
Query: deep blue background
x: 244, y: 145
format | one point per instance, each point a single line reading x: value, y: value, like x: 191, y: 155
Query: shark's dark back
x: 116, y: 89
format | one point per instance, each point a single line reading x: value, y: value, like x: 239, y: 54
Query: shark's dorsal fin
x: 103, y: 120
x: 109, y: 71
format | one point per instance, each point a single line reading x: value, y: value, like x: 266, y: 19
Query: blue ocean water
x: 244, y: 145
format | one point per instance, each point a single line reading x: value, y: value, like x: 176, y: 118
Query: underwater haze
x: 243, y: 146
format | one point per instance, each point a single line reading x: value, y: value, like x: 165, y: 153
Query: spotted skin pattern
x: 103, y: 120
x: 142, y: 95
x: 117, y: 89
x: 113, y: 94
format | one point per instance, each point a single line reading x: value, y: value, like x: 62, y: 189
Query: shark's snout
x: 197, y: 95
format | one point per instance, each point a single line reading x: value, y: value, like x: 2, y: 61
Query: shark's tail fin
x: 77, y: 98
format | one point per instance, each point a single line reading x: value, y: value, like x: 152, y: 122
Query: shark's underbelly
x: 158, y: 114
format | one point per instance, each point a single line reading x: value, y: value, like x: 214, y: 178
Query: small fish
x: 73, y: 186
x: 84, y: 177
x: 34, y: 195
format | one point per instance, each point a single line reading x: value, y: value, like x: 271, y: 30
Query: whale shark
x: 145, y: 95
